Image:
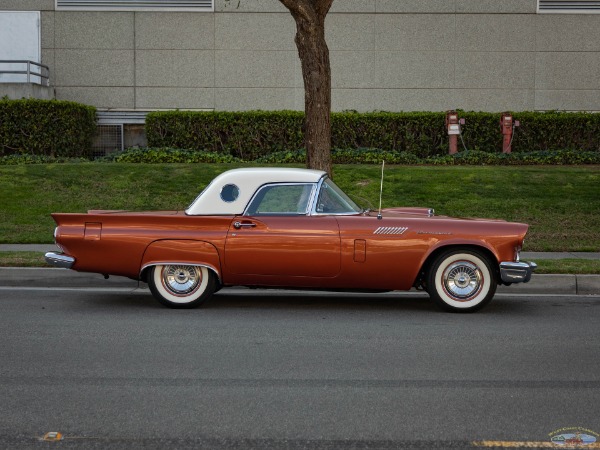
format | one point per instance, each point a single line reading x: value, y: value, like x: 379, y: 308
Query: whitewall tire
x: 180, y: 285
x: 461, y: 280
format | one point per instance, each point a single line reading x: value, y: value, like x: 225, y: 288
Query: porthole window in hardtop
x: 230, y: 193
x: 332, y: 200
x: 281, y: 199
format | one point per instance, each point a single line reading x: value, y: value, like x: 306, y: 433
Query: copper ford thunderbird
x: 293, y: 228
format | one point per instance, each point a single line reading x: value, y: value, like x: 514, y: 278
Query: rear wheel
x: 181, y: 286
x: 461, y: 280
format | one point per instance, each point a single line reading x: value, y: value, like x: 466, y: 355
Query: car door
x: 278, y: 241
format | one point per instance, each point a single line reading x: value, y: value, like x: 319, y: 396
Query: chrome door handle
x: 238, y: 225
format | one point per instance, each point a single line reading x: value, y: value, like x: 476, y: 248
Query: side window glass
x: 332, y: 200
x: 281, y: 199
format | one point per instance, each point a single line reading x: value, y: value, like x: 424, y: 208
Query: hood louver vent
x: 135, y: 5
x: 570, y: 6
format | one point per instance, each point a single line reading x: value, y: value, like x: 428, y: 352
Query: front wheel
x: 181, y: 286
x: 461, y: 280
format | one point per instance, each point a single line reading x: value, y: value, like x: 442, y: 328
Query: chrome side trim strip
x: 59, y: 260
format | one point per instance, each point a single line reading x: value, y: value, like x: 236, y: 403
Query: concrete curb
x: 57, y: 278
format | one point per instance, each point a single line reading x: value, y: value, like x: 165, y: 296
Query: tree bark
x: 316, y: 73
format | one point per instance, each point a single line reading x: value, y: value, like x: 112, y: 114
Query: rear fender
x: 189, y: 252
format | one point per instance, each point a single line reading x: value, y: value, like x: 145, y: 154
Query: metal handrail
x: 44, y: 77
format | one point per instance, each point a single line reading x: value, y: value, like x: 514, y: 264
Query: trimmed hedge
x: 46, y: 128
x: 254, y: 134
x: 339, y: 156
x: 246, y: 135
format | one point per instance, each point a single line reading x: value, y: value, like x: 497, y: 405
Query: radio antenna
x: 379, y: 217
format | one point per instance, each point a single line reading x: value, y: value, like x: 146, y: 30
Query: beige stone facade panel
x: 94, y: 68
x: 568, y: 32
x: 27, y: 5
x: 48, y: 60
x: 174, y: 68
x: 245, y: 6
x: 350, y: 32
x: 254, y: 32
x: 100, y: 97
x: 567, y: 71
x: 255, y: 69
x: 177, y: 31
x: 353, y: 6
x: 415, y: 6
x: 368, y: 100
x: 494, y: 100
x: 411, y: 32
x: 173, y: 98
x: 246, y: 99
x: 495, y: 32
x: 495, y: 70
x: 496, y: 7
x: 353, y: 69
x: 94, y: 30
x: 567, y: 100
x: 414, y: 70
x: 361, y: 100
x: 47, y: 29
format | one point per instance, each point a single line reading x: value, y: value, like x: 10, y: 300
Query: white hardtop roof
x: 248, y: 180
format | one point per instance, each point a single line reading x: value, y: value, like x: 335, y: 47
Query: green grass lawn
x: 561, y: 203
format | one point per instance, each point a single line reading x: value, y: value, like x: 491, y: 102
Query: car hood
x: 429, y: 212
x: 412, y: 211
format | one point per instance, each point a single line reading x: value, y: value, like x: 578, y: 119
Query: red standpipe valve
x: 453, y: 124
x: 507, y: 126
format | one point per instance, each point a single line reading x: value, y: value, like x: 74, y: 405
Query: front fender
x: 196, y: 253
x: 461, y: 242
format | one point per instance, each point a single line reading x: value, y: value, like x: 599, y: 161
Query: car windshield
x: 332, y: 200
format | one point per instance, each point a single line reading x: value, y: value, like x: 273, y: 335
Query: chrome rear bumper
x: 516, y: 272
x: 60, y: 260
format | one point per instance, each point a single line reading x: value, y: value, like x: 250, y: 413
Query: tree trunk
x: 316, y: 72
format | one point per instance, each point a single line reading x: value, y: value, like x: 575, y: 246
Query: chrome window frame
x: 309, y: 204
x: 313, y: 210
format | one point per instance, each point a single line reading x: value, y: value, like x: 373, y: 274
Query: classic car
x: 293, y: 228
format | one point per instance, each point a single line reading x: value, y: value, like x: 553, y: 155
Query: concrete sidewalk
x: 61, y: 278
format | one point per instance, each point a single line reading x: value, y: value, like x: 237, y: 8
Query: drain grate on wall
x: 109, y: 139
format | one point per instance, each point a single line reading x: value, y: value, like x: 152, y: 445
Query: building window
x: 569, y: 6
x: 135, y: 5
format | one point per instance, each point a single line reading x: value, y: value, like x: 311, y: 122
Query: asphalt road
x: 260, y: 370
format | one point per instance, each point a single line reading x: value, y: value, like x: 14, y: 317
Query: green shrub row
x: 168, y: 155
x: 254, y: 134
x: 46, y: 128
x: 468, y: 157
x: 246, y: 135
x: 340, y: 156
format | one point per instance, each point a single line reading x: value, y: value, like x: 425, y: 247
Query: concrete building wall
x: 392, y: 55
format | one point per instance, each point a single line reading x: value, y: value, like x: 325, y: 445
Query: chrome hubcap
x: 462, y: 280
x: 181, y: 280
